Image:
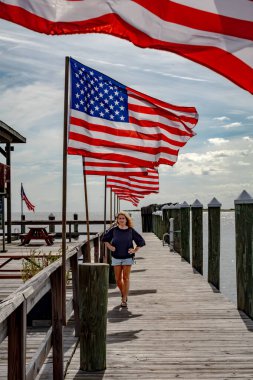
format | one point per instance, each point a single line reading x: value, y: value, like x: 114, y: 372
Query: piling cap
x: 51, y: 215
x: 244, y: 198
x: 184, y: 205
x: 214, y: 203
x: 196, y: 204
x: 173, y: 206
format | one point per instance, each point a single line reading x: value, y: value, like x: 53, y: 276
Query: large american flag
x: 93, y: 166
x: 215, y: 33
x: 24, y: 198
x: 110, y: 121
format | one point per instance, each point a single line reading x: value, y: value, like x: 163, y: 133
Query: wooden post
x: 93, y: 288
x: 17, y: 344
x: 177, y: 228
x: 244, y: 252
x: 96, y: 249
x: 185, y: 231
x: 51, y: 226
x: 75, y: 216
x: 112, y: 279
x: 214, y: 242
x: 166, y: 223
x: 102, y: 250
x: 57, y: 341
x: 86, y: 252
x: 75, y: 282
x: 197, y: 236
x: 22, y: 229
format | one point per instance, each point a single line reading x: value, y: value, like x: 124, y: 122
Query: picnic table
x: 37, y: 233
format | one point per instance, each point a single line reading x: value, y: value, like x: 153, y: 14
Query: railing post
x: 57, y: 340
x: 96, y: 249
x: 93, y: 289
x: 177, y: 228
x: 214, y: 242
x: 244, y: 252
x: 22, y: 227
x: 185, y: 231
x: 51, y: 226
x: 172, y: 234
x: 86, y: 253
x: 102, y: 250
x: 75, y: 282
x: 17, y: 344
x: 75, y: 216
x: 197, y: 236
x: 166, y: 223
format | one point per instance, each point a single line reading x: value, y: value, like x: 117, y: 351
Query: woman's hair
x: 129, y: 221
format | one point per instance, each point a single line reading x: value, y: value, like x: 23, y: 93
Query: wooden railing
x: 14, y: 310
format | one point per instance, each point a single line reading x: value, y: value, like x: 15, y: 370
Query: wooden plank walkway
x: 176, y: 326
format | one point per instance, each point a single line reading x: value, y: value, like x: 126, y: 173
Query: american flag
x: 110, y: 121
x: 139, y: 185
x: 93, y: 166
x: 216, y: 34
x: 24, y: 198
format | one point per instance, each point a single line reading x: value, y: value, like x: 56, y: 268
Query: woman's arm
x: 109, y: 246
x: 133, y: 250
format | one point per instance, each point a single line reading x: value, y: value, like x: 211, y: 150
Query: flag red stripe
x: 136, y: 148
x: 198, y: 19
x: 215, y: 58
x: 166, y: 106
x: 136, y: 134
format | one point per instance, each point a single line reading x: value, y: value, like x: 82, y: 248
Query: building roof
x: 9, y: 135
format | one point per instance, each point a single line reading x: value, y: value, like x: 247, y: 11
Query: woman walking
x: 119, y: 240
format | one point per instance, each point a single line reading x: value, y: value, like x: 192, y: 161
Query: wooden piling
x: 146, y: 216
x: 93, y: 287
x: 166, y: 222
x: 175, y: 213
x: 214, y: 242
x: 244, y: 252
x: 75, y: 216
x: 185, y: 231
x: 51, y: 226
x: 197, y: 236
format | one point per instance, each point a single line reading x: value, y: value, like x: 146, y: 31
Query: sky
x: 217, y: 162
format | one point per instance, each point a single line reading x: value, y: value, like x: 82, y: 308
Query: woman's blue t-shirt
x: 122, y: 240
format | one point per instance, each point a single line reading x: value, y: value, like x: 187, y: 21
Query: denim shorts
x: 128, y: 261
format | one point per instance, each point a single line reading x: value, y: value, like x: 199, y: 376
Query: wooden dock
x: 176, y: 326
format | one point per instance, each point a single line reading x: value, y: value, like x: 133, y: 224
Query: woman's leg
x: 118, y: 277
x: 126, y: 281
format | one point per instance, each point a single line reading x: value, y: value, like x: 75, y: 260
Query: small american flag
x: 24, y: 198
x: 110, y: 121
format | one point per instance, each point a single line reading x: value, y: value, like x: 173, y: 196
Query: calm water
x: 227, y: 264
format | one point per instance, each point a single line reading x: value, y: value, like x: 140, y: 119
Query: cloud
x: 247, y: 138
x: 221, y: 118
x: 232, y: 125
x: 218, y: 141
x: 30, y: 105
x: 249, y: 117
